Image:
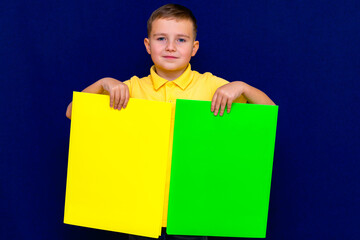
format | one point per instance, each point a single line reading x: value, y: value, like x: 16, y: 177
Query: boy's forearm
x: 254, y: 95
x: 96, y: 87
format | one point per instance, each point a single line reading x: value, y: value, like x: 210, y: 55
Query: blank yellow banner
x: 117, y: 165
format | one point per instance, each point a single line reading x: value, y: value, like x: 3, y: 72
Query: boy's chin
x: 171, y: 68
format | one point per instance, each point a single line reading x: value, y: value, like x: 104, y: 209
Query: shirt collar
x: 182, y: 81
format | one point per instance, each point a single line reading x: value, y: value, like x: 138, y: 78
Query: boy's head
x: 171, y: 39
x: 172, y: 11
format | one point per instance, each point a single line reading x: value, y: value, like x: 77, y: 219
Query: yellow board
x: 117, y: 165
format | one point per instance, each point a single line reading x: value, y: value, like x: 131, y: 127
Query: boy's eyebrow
x: 179, y: 35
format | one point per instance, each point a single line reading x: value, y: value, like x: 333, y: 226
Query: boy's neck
x: 169, y: 75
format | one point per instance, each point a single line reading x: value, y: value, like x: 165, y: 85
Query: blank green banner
x: 221, y: 170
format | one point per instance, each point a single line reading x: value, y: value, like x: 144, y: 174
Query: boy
x: 171, y: 43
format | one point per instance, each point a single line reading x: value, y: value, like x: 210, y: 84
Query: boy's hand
x: 119, y: 92
x: 225, y: 95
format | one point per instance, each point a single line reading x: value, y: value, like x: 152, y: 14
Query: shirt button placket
x: 170, y: 89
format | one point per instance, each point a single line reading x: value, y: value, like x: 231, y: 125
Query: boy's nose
x: 170, y: 46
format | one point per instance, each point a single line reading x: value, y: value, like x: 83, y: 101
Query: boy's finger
x: 229, y: 102
x: 111, y: 99
x: 213, y: 102
x: 122, y: 98
x: 116, y: 101
x: 223, y: 105
x: 126, y: 97
x: 217, y: 104
x: 117, y: 98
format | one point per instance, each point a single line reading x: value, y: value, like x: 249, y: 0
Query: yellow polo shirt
x: 190, y: 85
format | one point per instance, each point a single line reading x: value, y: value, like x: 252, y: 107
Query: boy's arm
x: 226, y: 94
x: 118, y: 91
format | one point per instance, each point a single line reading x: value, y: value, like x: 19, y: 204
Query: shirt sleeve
x: 130, y: 83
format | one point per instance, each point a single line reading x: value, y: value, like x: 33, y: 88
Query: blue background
x: 303, y: 54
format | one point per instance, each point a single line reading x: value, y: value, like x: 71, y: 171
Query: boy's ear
x: 147, y: 45
x: 195, y: 48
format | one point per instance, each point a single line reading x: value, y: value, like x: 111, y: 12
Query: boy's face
x: 171, y: 44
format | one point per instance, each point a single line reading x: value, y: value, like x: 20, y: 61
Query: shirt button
x: 170, y: 84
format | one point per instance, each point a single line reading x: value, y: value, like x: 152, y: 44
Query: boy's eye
x: 182, y: 40
x: 161, y: 39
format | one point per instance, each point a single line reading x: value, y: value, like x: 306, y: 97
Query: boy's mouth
x: 170, y: 57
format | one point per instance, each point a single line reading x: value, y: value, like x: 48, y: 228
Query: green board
x: 221, y: 170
